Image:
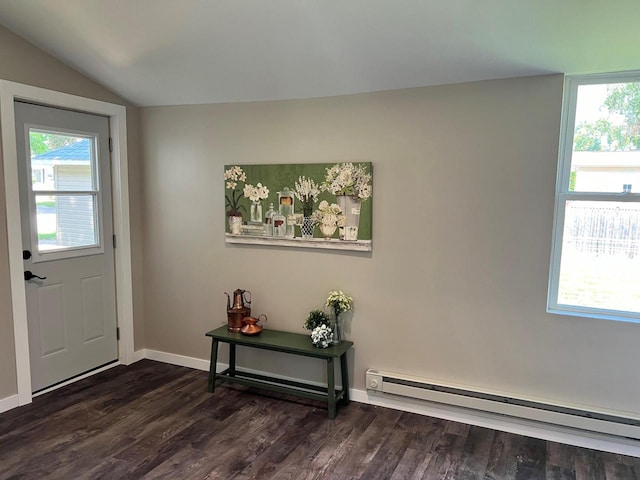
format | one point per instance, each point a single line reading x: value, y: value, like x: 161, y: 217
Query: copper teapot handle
x: 260, y: 318
x: 244, y: 299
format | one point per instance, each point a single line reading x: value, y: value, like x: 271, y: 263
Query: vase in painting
x: 350, y: 206
x: 327, y: 231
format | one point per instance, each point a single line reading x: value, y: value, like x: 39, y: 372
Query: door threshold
x: 75, y: 378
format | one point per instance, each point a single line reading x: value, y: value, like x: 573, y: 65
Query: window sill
x: 599, y: 315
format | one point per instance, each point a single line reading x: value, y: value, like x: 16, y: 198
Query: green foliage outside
x: 572, y: 181
x: 605, y: 135
x: 41, y: 142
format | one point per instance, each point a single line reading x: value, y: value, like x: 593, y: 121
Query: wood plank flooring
x: 153, y: 420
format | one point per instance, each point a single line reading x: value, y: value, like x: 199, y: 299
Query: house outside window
x: 595, y: 262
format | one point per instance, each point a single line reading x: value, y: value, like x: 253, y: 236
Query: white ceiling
x: 168, y: 52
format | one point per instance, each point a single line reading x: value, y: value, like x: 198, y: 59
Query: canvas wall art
x: 318, y: 205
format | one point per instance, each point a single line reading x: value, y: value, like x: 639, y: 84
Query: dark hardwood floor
x: 153, y: 420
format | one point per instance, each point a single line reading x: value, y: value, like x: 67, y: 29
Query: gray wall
x: 455, y: 289
x: 24, y: 63
x: 458, y: 297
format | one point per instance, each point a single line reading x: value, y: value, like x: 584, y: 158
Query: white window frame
x: 96, y: 248
x: 567, y: 128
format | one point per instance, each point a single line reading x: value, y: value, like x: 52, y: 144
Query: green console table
x: 285, y: 342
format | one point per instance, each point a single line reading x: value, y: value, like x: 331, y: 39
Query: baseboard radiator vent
x: 408, y: 386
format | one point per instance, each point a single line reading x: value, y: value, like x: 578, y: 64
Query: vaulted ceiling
x: 167, y: 52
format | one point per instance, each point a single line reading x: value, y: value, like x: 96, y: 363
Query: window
x: 64, y: 201
x: 595, y: 264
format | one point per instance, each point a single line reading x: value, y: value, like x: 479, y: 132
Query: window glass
x: 600, y: 265
x: 606, y: 141
x: 66, y: 221
x: 64, y: 190
x: 68, y: 162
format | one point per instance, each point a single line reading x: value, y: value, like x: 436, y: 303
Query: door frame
x: 10, y: 92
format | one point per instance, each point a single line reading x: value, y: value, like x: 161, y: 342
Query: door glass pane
x: 606, y: 142
x: 61, y: 162
x: 66, y: 221
x: 600, y: 266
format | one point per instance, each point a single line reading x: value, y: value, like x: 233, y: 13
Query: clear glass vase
x: 256, y: 213
x: 337, y: 330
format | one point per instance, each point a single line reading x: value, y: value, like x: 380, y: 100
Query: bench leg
x: 344, y: 372
x: 331, y: 389
x: 212, y: 366
x: 232, y: 359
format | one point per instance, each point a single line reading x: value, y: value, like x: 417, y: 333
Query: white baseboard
x: 9, y: 403
x: 138, y: 355
x: 519, y: 426
x: 176, y: 359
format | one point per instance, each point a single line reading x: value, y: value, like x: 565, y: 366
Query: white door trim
x: 9, y: 92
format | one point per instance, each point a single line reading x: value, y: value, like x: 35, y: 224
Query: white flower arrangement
x: 329, y: 215
x: 348, y: 179
x: 232, y: 176
x: 306, y: 191
x: 339, y: 302
x: 257, y: 193
x: 321, y: 336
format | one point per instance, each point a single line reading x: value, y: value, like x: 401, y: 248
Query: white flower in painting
x: 348, y: 179
x: 329, y: 215
x: 232, y: 176
x: 257, y: 193
x: 234, y: 173
x: 306, y: 191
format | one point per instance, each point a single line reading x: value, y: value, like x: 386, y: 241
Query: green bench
x: 285, y: 342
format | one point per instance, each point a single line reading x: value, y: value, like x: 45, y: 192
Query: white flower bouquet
x: 339, y: 302
x: 348, y: 179
x: 233, y: 175
x: 321, y: 336
x: 257, y: 193
x: 328, y: 215
x: 306, y: 191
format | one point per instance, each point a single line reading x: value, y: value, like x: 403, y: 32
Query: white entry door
x: 67, y: 237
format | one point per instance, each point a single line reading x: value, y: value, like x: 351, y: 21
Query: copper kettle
x: 251, y: 326
x: 241, y: 308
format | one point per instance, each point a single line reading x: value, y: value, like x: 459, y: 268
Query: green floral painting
x: 331, y: 201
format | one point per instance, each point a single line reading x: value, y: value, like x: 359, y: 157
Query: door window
x: 64, y: 195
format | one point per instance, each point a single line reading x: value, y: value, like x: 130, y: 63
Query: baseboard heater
x: 417, y: 388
